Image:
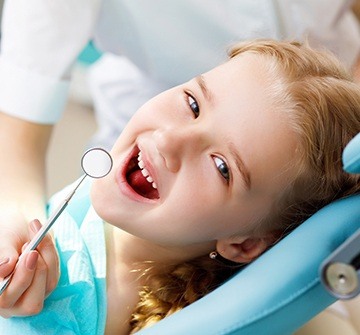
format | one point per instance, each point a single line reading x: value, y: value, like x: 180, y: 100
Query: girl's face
x: 216, y: 154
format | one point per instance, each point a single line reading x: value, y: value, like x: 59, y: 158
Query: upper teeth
x: 145, y: 172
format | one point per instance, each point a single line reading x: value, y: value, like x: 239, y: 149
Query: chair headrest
x: 351, y: 155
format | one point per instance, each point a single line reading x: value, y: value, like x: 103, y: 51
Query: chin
x: 106, y: 204
x: 99, y: 199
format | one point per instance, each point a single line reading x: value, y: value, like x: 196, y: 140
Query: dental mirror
x: 96, y: 163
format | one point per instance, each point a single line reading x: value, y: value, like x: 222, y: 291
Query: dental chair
x: 315, y: 265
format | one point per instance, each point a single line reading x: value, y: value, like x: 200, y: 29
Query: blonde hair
x: 322, y: 105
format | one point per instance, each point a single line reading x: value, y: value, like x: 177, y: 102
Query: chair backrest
x: 280, y: 291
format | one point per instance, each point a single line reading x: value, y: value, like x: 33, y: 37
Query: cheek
x: 195, y: 207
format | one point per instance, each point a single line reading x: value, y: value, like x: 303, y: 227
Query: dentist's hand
x: 36, y: 274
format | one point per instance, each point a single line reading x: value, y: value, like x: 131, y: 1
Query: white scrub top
x: 171, y: 41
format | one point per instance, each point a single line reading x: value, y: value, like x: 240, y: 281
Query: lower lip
x: 123, y: 185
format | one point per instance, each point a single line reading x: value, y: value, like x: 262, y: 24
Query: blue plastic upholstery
x: 351, y: 155
x: 281, y: 291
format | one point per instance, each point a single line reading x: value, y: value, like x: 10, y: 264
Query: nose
x: 177, y: 144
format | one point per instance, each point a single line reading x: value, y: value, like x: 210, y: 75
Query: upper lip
x: 149, y: 163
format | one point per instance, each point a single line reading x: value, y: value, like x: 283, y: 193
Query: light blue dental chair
x: 287, y: 286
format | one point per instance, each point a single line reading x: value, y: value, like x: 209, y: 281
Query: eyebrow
x: 243, y: 170
x: 204, y: 89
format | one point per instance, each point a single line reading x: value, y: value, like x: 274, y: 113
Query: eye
x: 193, y: 105
x: 222, y: 168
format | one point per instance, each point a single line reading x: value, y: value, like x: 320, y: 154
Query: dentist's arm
x: 23, y: 147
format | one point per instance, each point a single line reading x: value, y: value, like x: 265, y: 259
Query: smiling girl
x: 224, y: 164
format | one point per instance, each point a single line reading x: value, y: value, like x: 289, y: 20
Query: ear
x: 243, y: 249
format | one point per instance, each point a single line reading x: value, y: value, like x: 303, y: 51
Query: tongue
x: 141, y: 186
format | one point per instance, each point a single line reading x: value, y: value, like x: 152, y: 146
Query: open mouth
x: 139, y: 178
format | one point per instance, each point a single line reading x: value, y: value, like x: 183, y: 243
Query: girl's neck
x: 122, y: 286
x: 128, y: 257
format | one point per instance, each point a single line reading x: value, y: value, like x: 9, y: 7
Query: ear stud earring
x: 213, y: 255
x: 221, y: 260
